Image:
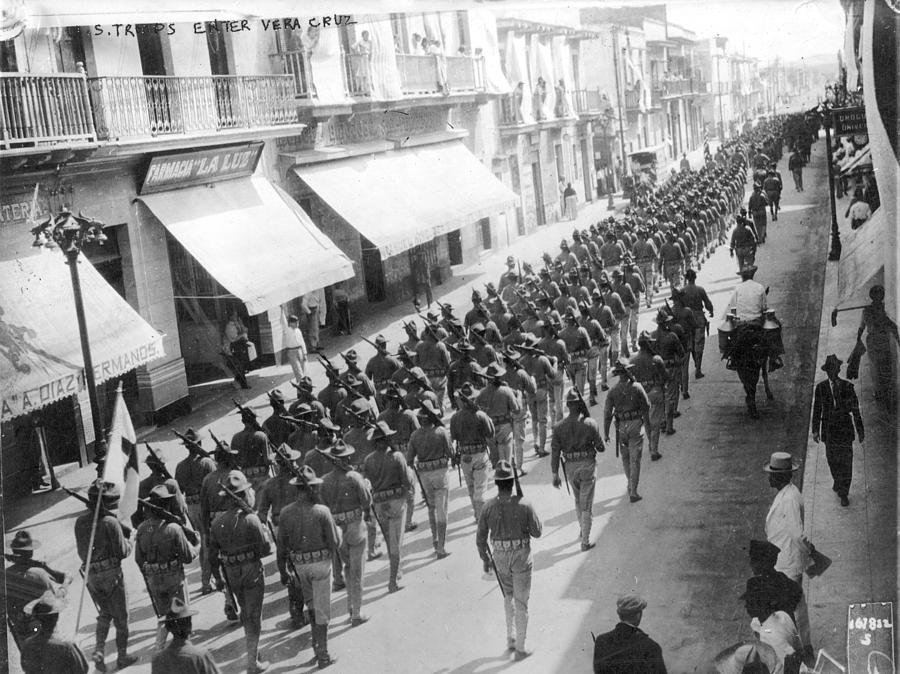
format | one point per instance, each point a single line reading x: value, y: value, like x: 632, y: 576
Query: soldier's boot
x: 510, y: 612
x: 432, y: 522
x: 337, y: 569
x: 99, y: 655
x: 587, y: 521
x: 521, y: 631
x: 123, y: 660
x: 593, y: 393
x: 254, y: 664
x: 442, y: 537
x: 323, y: 657
x: 542, y: 439
x: 410, y: 507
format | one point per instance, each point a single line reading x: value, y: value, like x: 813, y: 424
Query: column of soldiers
x: 322, y: 481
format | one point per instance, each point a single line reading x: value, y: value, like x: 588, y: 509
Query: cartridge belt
x: 511, y: 543
x: 629, y: 416
x: 158, y: 568
x: 435, y: 464
x: 388, y: 494
x: 311, y: 557
x: 347, y: 516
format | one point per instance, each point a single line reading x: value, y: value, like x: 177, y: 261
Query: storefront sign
x: 870, y: 637
x: 850, y: 121
x: 184, y: 169
x: 73, y: 383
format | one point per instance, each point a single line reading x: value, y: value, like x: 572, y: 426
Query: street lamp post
x: 70, y: 233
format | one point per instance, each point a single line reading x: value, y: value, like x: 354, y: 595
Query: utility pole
x: 721, y: 113
x: 615, y: 32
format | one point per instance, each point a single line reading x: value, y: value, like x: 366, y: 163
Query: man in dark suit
x: 626, y: 649
x: 835, y: 413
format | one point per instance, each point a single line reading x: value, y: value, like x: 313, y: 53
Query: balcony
x: 587, y: 101
x: 465, y: 74
x: 511, y: 111
x: 138, y: 107
x: 632, y: 99
x: 358, y: 75
x: 38, y: 110
x: 682, y: 86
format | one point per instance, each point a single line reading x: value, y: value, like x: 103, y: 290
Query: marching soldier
x: 433, y: 358
x: 104, y: 576
x: 277, y: 429
x: 575, y: 443
x: 628, y: 403
x: 500, y: 403
x: 161, y: 550
x: 522, y: 385
x: 252, y: 446
x: 684, y: 326
x: 381, y: 367
x: 27, y: 580
x: 403, y: 421
x: 597, y: 352
x: 542, y: 370
x: 388, y: 473
x: 303, y: 437
x: 649, y: 371
x: 182, y: 656
x: 190, y: 473
x: 418, y: 389
x: 632, y: 278
x: 307, y: 540
x: 239, y: 541
x: 306, y: 396
x: 578, y: 344
x: 430, y: 453
x: 671, y: 261
x: 509, y: 276
x: 43, y: 652
x: 483, y: 353
x: 159, y: 474
x: 555, y: 349
x: 632, y: 308
x: 619, y: 313
x: 462, y: 369
x: 346, y: 494
x: 211, y: 506
x: 601, y: 313
x: 334, y: 394
x: 351, y: 358
x: 472, y: 430
x: 645, y: 256
x: 696, y: 299
x: 406, y: 356
x: 359, y: 436
x: 669, y: 348
x: 510, y: 522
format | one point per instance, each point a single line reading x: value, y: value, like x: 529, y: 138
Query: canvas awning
x: 862, y: 260
x: 40, y: 361
x: 861, y: 161
x: 404, y: 198
x: 253, y: 239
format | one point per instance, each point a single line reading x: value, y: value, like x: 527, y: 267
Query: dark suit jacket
x: 627, y: 650
x: 834, y: 421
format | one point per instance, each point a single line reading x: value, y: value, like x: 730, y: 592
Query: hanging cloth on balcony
x: 415, y: 24
x: 327, y: 64
x: 40, y: 361
x: 404, y: 198
x: 433, y: 27
x: 252, y: 238
x: 562, y: 63
x: 544, y: 68
x: 518, y: 71
x: 483, y: 33
x: 450, y: 31
x: 383, y: 72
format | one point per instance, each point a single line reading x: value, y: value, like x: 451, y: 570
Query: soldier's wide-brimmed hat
x: 48, y: 604
x: 504, y: 472
x: 427, y: 410
x: 417, y: 375
x: 276, y: 396
x: 630, y: 603
x: 512, y: 353
x: 350, y: 356
x: 757, y: 655
x: 476, y: 296
x: 645, y: 337
x: 832, y: 362
x: 382, y: 431
x: 781, y: 462
x: 307, y: 478
x: 236, y: 481
x: 530, y: 339
x: 163, y: 492
x: 690, y: 274
x: 360, y: 406
x: 327, y: 425
x: 492, y: 371
x: 466, y: 391
x: 616, y: 273
x: 178, y: 610
x: 564, y: 245
x: 748, y: 269
x: 190, y: 435
x: 23, y: 542
x: 571, y: 316
x: 572, y: 397
x: 248, y: 416
x: 287, y: 453
x: 464, y: 345
x: 663, y: 316
x: 393, y: 392
x: 622, y: 367
x: 224, y: 448
x: 410, y: 326
x: 763, y: 551
x: 510, y: 259
x: 341, y: 449
x: 380, y: 340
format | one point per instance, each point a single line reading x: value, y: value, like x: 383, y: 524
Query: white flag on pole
x: 121, y: 466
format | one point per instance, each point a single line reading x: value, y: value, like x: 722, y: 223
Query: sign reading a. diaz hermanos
x: 183, y: 169
x: 850, y: 121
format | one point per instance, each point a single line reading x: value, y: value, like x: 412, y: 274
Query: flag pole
x: 87, y: 562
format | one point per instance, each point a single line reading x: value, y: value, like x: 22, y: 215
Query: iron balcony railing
x: 135, y: 107
x: 358, y: 75
x: 587, y: 100
x: 465, y: 73
x: 632, y: 99
x: 44, y: 110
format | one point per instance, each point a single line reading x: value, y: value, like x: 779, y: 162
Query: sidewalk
x: 860, y: 539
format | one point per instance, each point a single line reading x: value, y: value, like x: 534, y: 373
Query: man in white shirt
x: 748, y: 298
x: 784, y: 529
x: 309, y: 305
x: 294, y: 346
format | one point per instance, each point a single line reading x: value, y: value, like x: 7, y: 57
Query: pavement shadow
x: 482, y: 665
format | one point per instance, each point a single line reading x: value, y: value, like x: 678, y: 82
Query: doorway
x: 538, y: 194
x: 161, y: 95
x: 454, y: 247
x: 373, y: 271
x: 227, y: 110
x: 586, y: 170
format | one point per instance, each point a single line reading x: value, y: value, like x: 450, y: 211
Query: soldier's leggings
x: 514, y: 570
x: 614, y: 343
x: 631, y: 443
x: 107, y: 589
x: 657, y: 397
x: 247, y: 581
x: 685, y: 369
x: 474, y: 469
x: 578, y: 372
x: 518, y: 431
x: 699, y: 345
x: 163, y: 588
x: 558, y: 399
x: 582, y: 478
x: 624, y: 325
x: 593, y: 363
x: 603, y: 365
x: 672, y: 271
x: 391, y: 515
x: 439, y: 384
x: 353, y: 557
x: 501, y: 445
x: 672, y: 388
x: 315, y: 579
x: 196, y: 520
x: 633, y: 323
x: 539, y: 406
x: 436, y: 486
x: 411, y: 496
x: 649, y: 274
